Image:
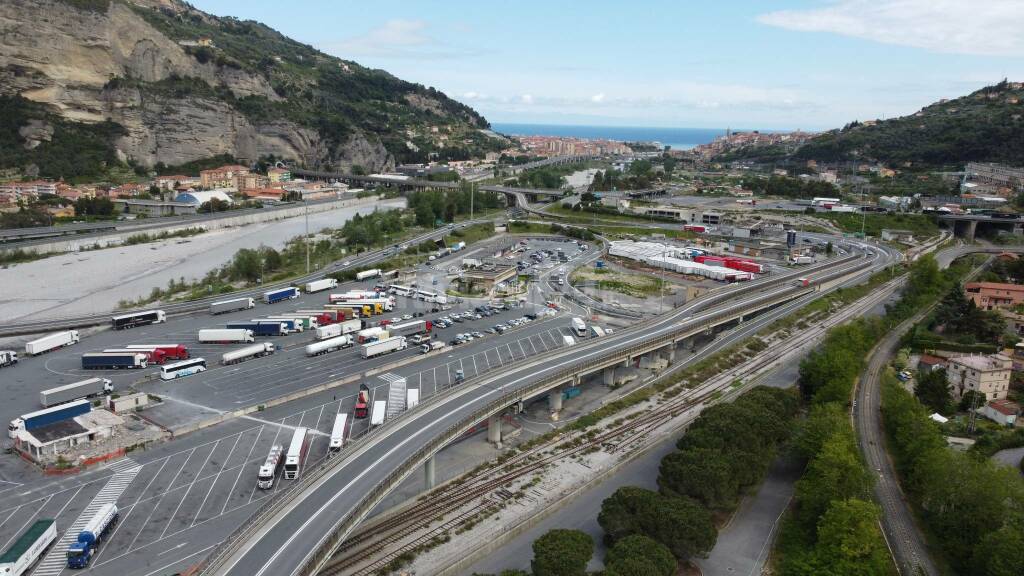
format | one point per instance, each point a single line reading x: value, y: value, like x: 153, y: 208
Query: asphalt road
x: 280, y: 547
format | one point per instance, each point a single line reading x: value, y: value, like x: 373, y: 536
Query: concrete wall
x: 103, y: 240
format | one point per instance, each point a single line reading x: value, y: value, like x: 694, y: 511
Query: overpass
x: 552, y: 161
x: 298, y: 531
x: 22, y: 234
x: 966, y: 225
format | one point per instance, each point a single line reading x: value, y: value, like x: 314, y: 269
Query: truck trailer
x: 320, y: 285
x: 329, y: 345
x: 371, y: 334
x: 260, y: 328
x: 232, y: 305
x: 271, y: 467
x: 75, y: 391
x: 171, y: 351
x: 113, y: 360
x: 225, y: 336
x: 8, y: 358
x: 275, y: 296
x: 247, y: 353
x: 51, y: 342
x: 579, y: 327
x: 338, y: 433
x: 133, y: 319
x: 410, y: 328
x: 153, y: 355
x: 81, y: 551
x: 291, y: 324
x: 379, y: 411
x: 339, y: 329
x: 385, y: 346
x: 19, y: 559
x: 367, y: 274
x: 39, y: 418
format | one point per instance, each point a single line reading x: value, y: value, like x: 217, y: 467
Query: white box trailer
x: 225, y: 335
x: 75, y: 391
x: 233, y: 305
x: 380, y: 347
x: 51, y: 342
x: 412, y: 398
x: 338, y: 432
x: 367, y: 274
x: 377, y: 415
x: 568, y: 340
x: 339, y: 329
x: 28, y: 548
x: 247, y: 353
x: 321, y: 284
x: 329, y: 345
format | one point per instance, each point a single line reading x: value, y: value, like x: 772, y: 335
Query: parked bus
x: 296, y: 454
x: 399, y: 289
x: 338, y: 432
x: 182, y: 369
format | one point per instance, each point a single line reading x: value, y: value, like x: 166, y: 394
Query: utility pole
x: 306, y: 204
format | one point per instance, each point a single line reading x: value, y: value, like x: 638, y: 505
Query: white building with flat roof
x: 989, y: 375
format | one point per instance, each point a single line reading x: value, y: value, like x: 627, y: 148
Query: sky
x: 779, y: 65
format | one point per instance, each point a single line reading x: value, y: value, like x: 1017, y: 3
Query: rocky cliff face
x: 111, y: 63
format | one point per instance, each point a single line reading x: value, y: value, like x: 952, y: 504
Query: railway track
x: 370, y: 549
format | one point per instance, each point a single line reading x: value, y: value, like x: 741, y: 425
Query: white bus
x: 399, y: 289
x: 338, y: 432
x: 182, y: 369
x: 296, y: 454
x: 432, y: 297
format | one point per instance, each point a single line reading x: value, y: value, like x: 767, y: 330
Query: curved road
x: 302, y: 527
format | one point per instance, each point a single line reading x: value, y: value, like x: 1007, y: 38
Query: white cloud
x: 402, y: 39
x: 526, y: 99
x: 597, y: 98
x: 980, y: 27
x: 470, y: 95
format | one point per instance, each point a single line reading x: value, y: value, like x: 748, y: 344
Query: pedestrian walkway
x: 56, y: 559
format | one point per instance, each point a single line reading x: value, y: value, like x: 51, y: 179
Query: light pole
x: 305, y: 204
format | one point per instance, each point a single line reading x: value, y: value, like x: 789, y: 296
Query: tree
x: 850, y: 541
x: 932, y: 389
x: 562, y: 552
x: 681, y: 524
x: 272, y: 259
x: 836, y: 473
x: 1001, y: 552
x: 971, y: 400
x: 639, y: 555
x: 246, y: 265
x: 951, y: 308
x: 703, y: 474
x: 822, y: 423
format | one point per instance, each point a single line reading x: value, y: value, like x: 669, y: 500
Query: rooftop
x: 994, y: 286
x: 984, y: 363
x: 1005, y: 407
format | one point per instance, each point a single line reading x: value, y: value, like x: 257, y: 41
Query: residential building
x: 276, y: 175
x: 1003, y: 412
x: 989, y: 375
x: 223, y: 177
x: 995, y: 295
x: 929, y: 363
x: 175, y: 181
x: 252, y: 181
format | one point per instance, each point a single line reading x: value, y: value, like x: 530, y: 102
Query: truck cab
x: 362, y: 402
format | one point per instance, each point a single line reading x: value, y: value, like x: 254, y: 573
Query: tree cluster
x: 789, y: 187
x: 429, y: 206
x: 960, y: 318
x: 974, y: 507
x: 89, y: 206
x: 639, y: 176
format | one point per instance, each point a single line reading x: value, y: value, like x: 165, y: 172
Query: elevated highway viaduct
x: 300, y: 529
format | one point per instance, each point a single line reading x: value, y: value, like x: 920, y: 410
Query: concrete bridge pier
x: 494, y: 430
x: 428, y: 473
x: 555, y: 402
x: 609, y: 376
x: 972, y: 228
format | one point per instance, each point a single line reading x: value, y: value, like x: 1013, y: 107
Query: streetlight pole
x: 305, y: 203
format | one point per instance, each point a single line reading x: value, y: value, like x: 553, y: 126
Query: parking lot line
x: 131, y: 507
x: 475, y: 369
x: 272, y: 442
x: 190, y: 485
x: 215, y: 478
x: 224, y: 508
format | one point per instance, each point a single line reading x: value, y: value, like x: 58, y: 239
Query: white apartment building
x: 989, y: 375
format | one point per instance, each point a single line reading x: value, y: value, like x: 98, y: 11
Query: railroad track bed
x: 534, y: 479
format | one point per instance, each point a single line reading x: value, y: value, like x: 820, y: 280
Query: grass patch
x: 145, y: 238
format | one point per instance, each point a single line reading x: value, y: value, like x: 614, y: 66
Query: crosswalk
x: 125, y: 471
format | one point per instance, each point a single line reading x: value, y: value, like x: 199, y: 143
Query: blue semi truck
x: 113, y: 360
x: 261, y: 328
x: 40, y: 418
x: 95, y: 530
x: 275, y: 296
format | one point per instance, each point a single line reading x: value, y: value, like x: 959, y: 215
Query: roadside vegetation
x: 635, y: 285
x: 920, y: 225
x: 144, y: 238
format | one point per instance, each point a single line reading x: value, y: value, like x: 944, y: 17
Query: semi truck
x: 8, y: 358
x: 579, y: 327
x: 320, y: 285
x: 281, y: 294
x: 75, y: 391
x: 225, y: 336
x: 81, y: 551
x: 270, y: 468
x: 308, y: 321
x: 410, y: 328
x: 39, y: 418
x: 385, y: 346
x: 133, y: 319
x: 233, y: 305
x: 153, y: 356
x: 458, y: 246
x: 260, y: 328
x: 802, y: 260
x: 379, y: 411
x: 171, y: 351
x: 362, y: 402
x: 114, y: 360
x: 338, y: 433
x: 28, y: 548
x: 339, y: 329
x: 428, y: 347
x: 247, y: 353
x: 51, y: 342
x: 367, y: 274
x: 291, y: 324
x: 329, y: 345
x: 371, y: 334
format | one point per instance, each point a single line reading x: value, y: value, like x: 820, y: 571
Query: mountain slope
x: 986, y: 126
x: 171, y: 84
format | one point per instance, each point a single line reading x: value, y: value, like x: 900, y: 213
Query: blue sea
x: 677, y: 138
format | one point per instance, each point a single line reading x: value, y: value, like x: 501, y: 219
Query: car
x: 491, y: 331
x: 346, y: 263
x: 406, y: 316
x: 454, y: 342
x: 477, y: 317
x: 456, y: 318
x: 477, y: 335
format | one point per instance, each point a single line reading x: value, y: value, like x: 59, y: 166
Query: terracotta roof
x: 932, y: 360
x: 995, y: 286
x: 1005, y: 407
